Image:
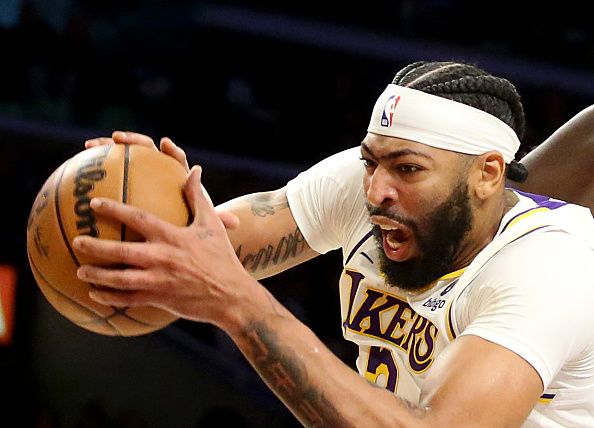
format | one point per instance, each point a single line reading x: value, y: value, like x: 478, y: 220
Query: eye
x: 408, y: 168
x: 368, y: 163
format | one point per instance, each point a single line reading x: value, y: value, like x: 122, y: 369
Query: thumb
x: 229, y: 220
x: 197, y: 196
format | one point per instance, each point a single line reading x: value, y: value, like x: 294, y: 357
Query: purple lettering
x: 368, y: 311
x: 406, y: 329
x: 356, y: 278
x: 417, y: 359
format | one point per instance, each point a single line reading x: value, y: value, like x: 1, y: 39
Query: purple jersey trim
x: 450, y: 324
x: 356, y: 247
x: 542, y: 201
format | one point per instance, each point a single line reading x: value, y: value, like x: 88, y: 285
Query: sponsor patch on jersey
x: 434, y: 303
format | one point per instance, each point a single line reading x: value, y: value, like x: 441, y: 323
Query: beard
x: 439, y: 235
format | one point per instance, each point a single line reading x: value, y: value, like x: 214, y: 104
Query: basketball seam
x: 126, y: 176
x: 125, y: 187
x: 68, y: 298
x: 59, y: 216
x: 65, y: 238
x: 99, y: 317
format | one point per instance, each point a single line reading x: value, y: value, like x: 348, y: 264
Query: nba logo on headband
x: 389, y: 108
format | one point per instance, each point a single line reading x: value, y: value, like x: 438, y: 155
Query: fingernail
x: 95, y: 203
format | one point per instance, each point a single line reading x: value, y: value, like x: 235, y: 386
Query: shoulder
x: 343, y: 167
x: 538, y: 275
x: 534, y: 298
x: 327, y: 200
x: 333, y: 185
x: 540, y: 261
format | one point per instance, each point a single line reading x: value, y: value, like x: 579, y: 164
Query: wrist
x: 245, y: 307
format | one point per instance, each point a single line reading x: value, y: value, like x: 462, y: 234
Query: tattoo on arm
x: 288, y: 246
x: 286, y: 375
x: 263, y: 205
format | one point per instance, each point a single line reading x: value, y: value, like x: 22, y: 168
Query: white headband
x: 438, y: 122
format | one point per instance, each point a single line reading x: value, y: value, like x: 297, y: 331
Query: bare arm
x: 473, y: 383
x: 267, y: 240
x: 562, y: 166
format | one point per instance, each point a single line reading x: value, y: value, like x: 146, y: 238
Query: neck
x: 486, y: 221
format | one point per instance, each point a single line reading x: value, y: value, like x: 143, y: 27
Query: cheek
x: 418, y: 201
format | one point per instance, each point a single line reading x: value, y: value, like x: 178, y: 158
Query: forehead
x: 384, y: 146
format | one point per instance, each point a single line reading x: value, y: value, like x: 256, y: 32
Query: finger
x: 122, y: 253
x: 121, y: 299
x: 148, y: 225
x: 230, y: 220
x: 129, y: 279
x: 197, y: 196
x: 101, y: 141
x: 170, y: 148
x: 127, y: 137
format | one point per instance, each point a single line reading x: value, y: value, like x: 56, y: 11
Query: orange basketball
x: 133, y: 174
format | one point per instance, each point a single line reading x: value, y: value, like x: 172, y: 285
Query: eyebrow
x: 395, y: 154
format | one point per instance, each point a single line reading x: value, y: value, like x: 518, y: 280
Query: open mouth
x: 398, y: 239
x: 395, y: 237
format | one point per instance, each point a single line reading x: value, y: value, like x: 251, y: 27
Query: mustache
x: 379, y: 211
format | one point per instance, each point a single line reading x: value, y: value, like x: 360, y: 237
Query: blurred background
x: 255, y: 91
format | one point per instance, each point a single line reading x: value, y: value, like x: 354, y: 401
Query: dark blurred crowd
x: 158, y: 67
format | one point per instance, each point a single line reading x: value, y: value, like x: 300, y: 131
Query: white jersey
x: 530, y: 290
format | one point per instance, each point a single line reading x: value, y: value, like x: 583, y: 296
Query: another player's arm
x: 561, y: 166
x: 268, y: 240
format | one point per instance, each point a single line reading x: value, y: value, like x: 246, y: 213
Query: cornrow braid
x: 403, y: 73
x: 470, y: 85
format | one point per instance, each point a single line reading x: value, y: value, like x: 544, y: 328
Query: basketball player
x: 470, y: 301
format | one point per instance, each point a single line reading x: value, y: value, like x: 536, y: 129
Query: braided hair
x: 472, y: 86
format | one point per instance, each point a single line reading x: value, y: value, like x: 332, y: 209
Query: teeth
x: 393, y: 243
x: 384, y: 223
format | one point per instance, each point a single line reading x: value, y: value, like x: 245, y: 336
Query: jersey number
x: 382, y: 367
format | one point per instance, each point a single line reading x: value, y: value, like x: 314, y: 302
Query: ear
x: 489, y: 174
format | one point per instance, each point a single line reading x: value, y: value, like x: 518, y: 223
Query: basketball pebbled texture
x: 133, y: 174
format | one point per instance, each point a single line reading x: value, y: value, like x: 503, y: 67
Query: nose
x: 381, y: 188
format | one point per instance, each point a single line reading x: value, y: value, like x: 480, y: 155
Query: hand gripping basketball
x: 133, y: 174
x: 190, y: 271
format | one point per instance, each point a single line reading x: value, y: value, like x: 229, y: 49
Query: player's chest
x: 378, y: 315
